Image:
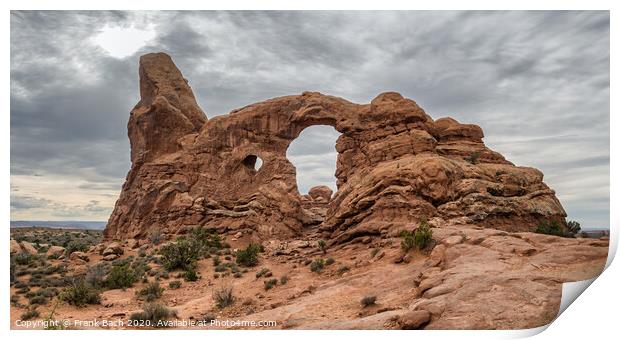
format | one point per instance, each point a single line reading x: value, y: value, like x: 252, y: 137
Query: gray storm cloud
x: 537, y: 82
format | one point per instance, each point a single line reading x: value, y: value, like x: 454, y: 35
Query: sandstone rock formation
x: 395, y: 165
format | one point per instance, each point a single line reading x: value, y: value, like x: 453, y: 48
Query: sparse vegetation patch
x: 248, y: 257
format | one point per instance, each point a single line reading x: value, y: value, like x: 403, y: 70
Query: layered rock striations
x: 395, y: 166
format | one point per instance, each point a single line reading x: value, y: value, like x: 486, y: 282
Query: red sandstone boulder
x: 414, y: 319
x: 321, y: 192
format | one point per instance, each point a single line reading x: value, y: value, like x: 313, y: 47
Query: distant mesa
x: 395, y: 165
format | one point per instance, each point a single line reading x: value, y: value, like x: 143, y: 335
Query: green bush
x: 573, y: 227
x: 420, y: 238
x: 473, y: 158
x: 37, y: 300
x: 322, y: 245
x: 423, y: 236
x: 180, y: 255
x: 223, y: 296
x: 317, y: 265
x: 249, y: 256
x: 368, y: 300
x: 262, y: 272
x: 407, y: 243
x: 95, y: 275
x: 155, y: 237
x: 206, y: 238
x: 270, y: 283
x: 15, y: 300
x: 550, y: 228
x: 76, y: 245
x: 30, y: 314
x: 51, y: 323
x: 153, y: 314
x: 23, y: 259
x: 176, y: 284
x: 121, y: 276
x: 80, y: 294
x: 191, y: 274
x: 152, y: 291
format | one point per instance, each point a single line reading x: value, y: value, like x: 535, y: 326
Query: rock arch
x: 395, y: 165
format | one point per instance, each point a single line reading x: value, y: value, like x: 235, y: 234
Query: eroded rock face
x: 395, y: 165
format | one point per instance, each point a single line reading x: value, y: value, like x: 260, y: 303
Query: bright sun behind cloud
x: 121, y: 42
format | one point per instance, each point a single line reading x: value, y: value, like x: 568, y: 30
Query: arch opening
x: 314, y: 155
x: 253, y: 162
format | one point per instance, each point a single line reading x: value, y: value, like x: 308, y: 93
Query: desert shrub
x: 51, y: 323
x: 207, y: 318
x: 322, y: 245
x: 330, y: 260
x: 283, y: 279
x: 420, y: 238
x: 249, y: 256
x: 46, y: 292
x: 180, y: 255
x: 23, y: 259
x: 207, y: 238
x: 55, y: 269
x: 15, y: 300
x: 121, y: 276
x: 407, y: 243
x: 19, y: 284
x: 140, y: 266
x: 270, y: 283
x: 23, y: 290
x: 76, y: 245
x: 342, y: 270
x: 176, y: 284
x: 550, y: 228
x: 152, y: 291
x: 191, y: 274
x: 153, y: 314
x: 473, y: 158
x: 80, y: 294
x: 22, y: 272
x: 368, y: 300
x: 155, y: 237
x: 30, y: 314
x: 317, y: 265
x: 262, y: 272
x: 223, y: 296
x: 95, y: 275
x: 423, y: 236
x: 573, y: 227
x: 37, y: 300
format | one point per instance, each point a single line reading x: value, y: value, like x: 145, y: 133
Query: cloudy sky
x: 537, y: 82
